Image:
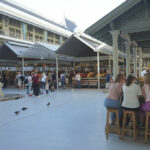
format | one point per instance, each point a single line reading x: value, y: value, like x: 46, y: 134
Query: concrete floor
x: 74, y: 121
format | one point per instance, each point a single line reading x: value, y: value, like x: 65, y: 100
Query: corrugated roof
x: 44, y: 51
x: 70, y: 25
x: 17, y: 48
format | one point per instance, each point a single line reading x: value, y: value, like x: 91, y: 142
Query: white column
x: 23, y: 65
x: 98, y: 70
x: 23, y: 69
x: 57, y: 71
x: 115, y: 34
x: 109, y: 63
x: 135, y: 60
x: 127, y: 46
x: 140, y: 61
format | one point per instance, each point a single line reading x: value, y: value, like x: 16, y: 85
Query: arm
x: 143, y: 92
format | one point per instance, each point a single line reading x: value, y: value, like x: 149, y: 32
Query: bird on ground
x: 17, y: 112
x: 24, y: 108
x: 48, y: 104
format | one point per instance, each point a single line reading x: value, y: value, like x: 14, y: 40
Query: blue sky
x: 83, y: 12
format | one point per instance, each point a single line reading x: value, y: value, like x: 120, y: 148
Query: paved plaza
x: 75, y: 120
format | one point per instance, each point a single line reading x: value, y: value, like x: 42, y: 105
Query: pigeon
x: 24, y: 108
x: 17, y: 112
x: 48, y: 104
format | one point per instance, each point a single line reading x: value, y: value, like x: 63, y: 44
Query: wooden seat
x: 147, y: 132
x: 115, y: 110
x: 124, y: 126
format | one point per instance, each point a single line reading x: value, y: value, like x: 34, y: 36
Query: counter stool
x: 124, y: 126
x: 147, y: 132
x: 110, y: 110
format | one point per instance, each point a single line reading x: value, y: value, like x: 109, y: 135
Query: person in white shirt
x: 143, y: 72
x: 131, y: 92
x: 78, y: 78
x: 43, y: 80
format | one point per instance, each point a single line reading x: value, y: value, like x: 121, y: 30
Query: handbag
x: 120, y: 96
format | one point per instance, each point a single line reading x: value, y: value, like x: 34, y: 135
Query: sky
x: 83, y: 12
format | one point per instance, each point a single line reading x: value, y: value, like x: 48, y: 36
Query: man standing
x: 35, y: 82
x: 78, y: 78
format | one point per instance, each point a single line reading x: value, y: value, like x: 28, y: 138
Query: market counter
x: 89, y: 82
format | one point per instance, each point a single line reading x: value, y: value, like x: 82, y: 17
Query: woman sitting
x: 131, y: 92
x: 112, y: 100
x: 146, y: 94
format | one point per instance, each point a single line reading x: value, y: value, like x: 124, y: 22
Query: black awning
x: 77, y: 47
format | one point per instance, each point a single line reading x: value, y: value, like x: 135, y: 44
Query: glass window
x: 0, y: 18
x: 30, y: 28
x: 12, y: 32
x: 14, y: 23
x: 56, y: 39
x: 38, y: 30
x: 18, y: 33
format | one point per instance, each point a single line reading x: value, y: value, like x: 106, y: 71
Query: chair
x: 147, y: 132
x: 110, y: 110
x: 124, y: 126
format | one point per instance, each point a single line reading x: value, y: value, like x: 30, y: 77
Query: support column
x: 57, y: 71
x: 140, y: 61
x: 45, y: 36
x: 23, y: 65
x: 109, y: 63
x: 24, y: 31
x: 115, y: 34
x: 98, y: 70
x: 135, y: 60
x: 127, y: 46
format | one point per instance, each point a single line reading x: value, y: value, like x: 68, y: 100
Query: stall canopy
x: 41, y: 50
x: 82, y: 45
x: 12, y: 50
x: 79, y: 45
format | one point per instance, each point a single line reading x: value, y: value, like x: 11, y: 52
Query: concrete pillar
x: 98, y: 70
x: 115, y: 34
x: 45, y: 36
x: 140, y: 61
x: 24, y: 31
x: 127, y: 46
x: 109, y: 63
x: 5, y: 25
x: 135, y: 60
x: 57, y: 71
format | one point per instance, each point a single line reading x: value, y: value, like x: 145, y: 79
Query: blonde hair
x: 147, y: 79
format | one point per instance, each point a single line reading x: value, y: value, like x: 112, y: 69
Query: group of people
x: 36, y: 81
x: 124, y: 94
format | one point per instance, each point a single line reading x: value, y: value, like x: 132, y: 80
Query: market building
x: 126, y: 28
x: 20, y: 28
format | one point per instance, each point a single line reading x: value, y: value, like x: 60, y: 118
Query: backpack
x: 26, y: 81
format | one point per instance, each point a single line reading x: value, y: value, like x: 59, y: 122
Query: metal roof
x: 13, y: 50
x: 41, y: 50
x: 82, y: 45
x: 79, y: 45
x: 70, y: 25
x: 124, y: 7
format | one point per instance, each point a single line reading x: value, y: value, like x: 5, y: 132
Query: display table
x: 89, y: 82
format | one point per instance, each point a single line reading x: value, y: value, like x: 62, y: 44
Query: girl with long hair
x: 112, y: 99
